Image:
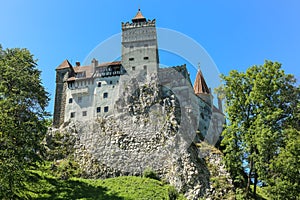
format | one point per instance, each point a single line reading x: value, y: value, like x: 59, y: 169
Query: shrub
x: 149, y: 173
x: 173, y: 194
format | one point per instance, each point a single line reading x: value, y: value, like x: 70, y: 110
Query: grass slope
x: 45, y: 186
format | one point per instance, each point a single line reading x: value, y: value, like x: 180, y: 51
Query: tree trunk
x: 249, y: 176
x: 255, y: 183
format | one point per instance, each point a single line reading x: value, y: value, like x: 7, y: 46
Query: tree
x: 260, y: 105
x: 23, y: 100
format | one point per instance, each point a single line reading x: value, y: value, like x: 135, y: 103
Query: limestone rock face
x: 152, y: 128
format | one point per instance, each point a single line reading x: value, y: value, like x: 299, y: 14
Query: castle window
x: 84, y: 113
x: 72, y: 115
x: 98, y: 109
x: 70, y: 100
x: 110, y: 82
x: 105, y: 95
x: 145, y: 67
x: 79, y: 99
x: 131, y: 59
x: 99, y: 84
x: 146, y: 58
x: 133, y: 68
x: 106, y: 109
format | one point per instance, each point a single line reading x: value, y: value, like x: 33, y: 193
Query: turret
x: 63, y: 72
x: 201, y: 89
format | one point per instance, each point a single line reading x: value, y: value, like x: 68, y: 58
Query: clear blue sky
x: 236, y: 34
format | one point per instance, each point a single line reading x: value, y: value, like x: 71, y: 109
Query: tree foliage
x: 262, y: 106
x: 22, y: 102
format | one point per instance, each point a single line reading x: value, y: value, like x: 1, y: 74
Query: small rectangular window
x: 106, y: 109
x: 105, y: 95
x: 146, y: 58
x: 72, y: 114
x: 110, y: 82
x: 133, y: 68
x: 145, y: 45
x: 131, y: 59
x: 84, y: 113
x: 131, y: 47
x: 99, y: 84
x: 70, y: 100
x: 145, y: 67
x: 79, y: 99
x: 98, y: 109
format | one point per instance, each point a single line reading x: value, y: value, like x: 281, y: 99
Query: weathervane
x: 198, y: 66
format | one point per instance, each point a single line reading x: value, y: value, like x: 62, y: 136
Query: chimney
x: 94, y: 64
x: 77, y: 64
x: 220, y: 104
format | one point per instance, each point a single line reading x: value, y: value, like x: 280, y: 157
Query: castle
x: 88, y: 92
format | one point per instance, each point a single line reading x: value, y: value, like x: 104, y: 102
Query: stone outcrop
x: 153, y: 128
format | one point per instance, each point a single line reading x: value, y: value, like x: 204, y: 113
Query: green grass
x: 261, y: 193
x: 45, y: 186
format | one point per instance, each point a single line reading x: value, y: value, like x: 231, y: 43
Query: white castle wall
x: 87, y: 97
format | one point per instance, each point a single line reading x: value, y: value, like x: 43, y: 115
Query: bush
x: 173, y: 194
x: 149, y: 173
x: 66, y: 169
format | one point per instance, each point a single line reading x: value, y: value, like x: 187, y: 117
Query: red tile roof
x: 139, y: 16
x: 82, y: 68
x: 88, y: 69
x: 200, y: 86
x: 64, y: 64
x: 109, y: 63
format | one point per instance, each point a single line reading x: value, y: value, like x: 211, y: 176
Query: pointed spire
x: 139, y: 17
x: 200, y: 86
x: 64, y: 64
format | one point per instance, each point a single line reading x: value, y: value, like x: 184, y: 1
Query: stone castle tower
x: 63, y: 72
x: 139, y: 46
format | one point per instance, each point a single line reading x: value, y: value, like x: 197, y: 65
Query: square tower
x: 139, y: 46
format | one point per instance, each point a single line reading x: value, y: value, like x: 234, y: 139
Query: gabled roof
x: 65, y: 64
x: 200, y: 86
x: 139, y: 17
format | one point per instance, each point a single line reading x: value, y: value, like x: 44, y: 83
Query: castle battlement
x: 128, y: 25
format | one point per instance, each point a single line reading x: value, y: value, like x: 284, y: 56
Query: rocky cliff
x: 153, y: 127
